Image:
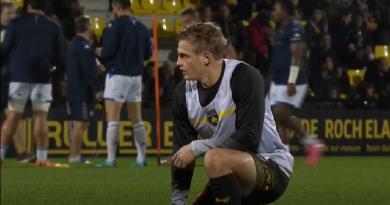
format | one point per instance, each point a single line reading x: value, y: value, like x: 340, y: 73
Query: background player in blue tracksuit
x: 83, y: 87
x: 289, y: 78
x: 33, y: 45
x: 126, y: 45
x: 8, y: 11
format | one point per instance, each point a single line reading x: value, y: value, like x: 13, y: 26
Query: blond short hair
x: 204, y: 37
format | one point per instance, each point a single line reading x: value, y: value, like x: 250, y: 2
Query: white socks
x: 112, y: 140
x: 75, y: 159
x: 3, y: 152
x: 41, y: 154
x: 140, y: 140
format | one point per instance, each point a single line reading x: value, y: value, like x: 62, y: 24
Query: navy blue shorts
x: 80, y: 111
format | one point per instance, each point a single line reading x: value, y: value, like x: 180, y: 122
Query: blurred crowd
x: 341, y: 38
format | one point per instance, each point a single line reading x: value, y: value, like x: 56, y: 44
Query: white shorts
x: 39, y: 94
x: 278, y: 94
x: 121, y: 88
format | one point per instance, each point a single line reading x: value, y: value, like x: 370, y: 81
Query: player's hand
x: 291, y: 90
x: 99, y: 96
x: 101, y: 69
x: 183, y: 157
x: 98, y: 51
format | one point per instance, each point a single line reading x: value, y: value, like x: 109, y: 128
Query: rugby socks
x: 74, y: 159
x: 140, y: 140
x: 181, y: 183
x: 3, y: 152
x: 226, y: 190
x: 41, y: 154
x: 112, y: 140
x: 205, y: 197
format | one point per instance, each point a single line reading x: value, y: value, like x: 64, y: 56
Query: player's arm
x: 248, y: 94
x: 110, y: 42
x: 89, y: 68
x: 296, y: 50
x: 296, y: 53
x: 148, y: 46
x: 183, y: 134
x: 7, y: 42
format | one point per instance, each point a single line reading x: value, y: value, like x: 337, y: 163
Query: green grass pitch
x: 336, y: 181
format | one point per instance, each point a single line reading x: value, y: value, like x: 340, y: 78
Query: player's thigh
x: 81, y: 125
x: 80, y: 111
x: 244, y: 168
x: 41, y: 96
x: 134, y: 111
x: 282, y: 111
x: 18, y: 94
x: 300, y: 95
x: 134, y: 98
x: 134, y: 93
x: 113, y: 110
x: 116, y: 88
x: 271, y: 182
x: 282, y: 104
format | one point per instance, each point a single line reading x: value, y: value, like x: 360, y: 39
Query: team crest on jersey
x: 212, y: 117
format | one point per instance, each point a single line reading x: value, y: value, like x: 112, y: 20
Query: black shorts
x: 80, y: 111
x: 271, y: 182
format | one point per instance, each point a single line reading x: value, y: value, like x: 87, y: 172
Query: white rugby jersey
x: 215, y: 122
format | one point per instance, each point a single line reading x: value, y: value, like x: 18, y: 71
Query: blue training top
x: 81, y: 73
x: 126, y: 45
x: 32, y: 45
x: 281, y: 55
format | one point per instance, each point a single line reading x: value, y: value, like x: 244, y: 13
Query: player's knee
x: 11, y: 122
x: 16, y: 106
x: 85, y: 125
x: 13, y: 117
x: 40, y: 106
x: 135, y: 117
x: 215, y: 162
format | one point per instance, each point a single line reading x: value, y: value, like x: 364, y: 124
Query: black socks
x: 226, y: 190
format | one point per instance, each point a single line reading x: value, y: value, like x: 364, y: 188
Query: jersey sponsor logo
x: 212, y: 117
x: 297, y: 35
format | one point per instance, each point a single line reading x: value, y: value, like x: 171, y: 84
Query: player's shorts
x: 271, y: 182
x: 121, y: 88
x: 278, y: 94
x: 40, y: 95
x: 80, y: 111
